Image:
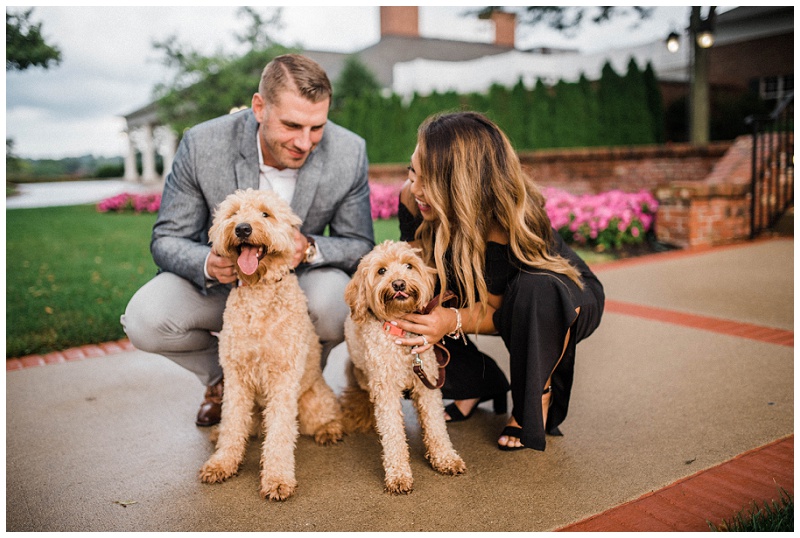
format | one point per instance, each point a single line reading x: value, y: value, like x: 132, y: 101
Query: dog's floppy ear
x: 356, y: 296
x: 219, y: 216
x: 212, y: 232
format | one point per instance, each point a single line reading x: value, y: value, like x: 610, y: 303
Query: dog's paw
x: 400, y: 485
x: 276, y: 489
x: 215, y: 471
x: 452, y: 465
x: 330, y: 433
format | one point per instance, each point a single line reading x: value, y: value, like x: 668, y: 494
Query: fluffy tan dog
x: 269, y: 352
x: 391, y: 281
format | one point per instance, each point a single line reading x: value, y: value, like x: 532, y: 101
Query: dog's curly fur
x: 269, y: 351
x: 391, y: 281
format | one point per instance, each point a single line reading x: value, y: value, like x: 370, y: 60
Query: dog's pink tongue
x: 248, y: 260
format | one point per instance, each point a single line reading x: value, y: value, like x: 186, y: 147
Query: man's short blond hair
x: 296, y: 73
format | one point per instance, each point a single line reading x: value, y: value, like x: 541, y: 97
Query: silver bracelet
x: 458, y: 331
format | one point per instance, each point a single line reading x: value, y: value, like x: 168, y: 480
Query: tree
x: 256, y: 34
x: 205, y: 87
x: 499, y: 110
x: 541, y: 126
x: 521, y: 107
x: 613, y: 106
x: 25, y: 45
x: 637, y: 116
x: 13, y: 162
x: 25, y: 48
x: 568, y: 19
x: 590, y: 113
x: 655, y: 102
x: 355, y: 81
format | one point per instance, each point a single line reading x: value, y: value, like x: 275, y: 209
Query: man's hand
x: 301, y: 245
x: 220, y: 269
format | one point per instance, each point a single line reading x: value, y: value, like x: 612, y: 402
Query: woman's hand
x: 431, y: 328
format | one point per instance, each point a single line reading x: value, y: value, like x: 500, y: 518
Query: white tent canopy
x: 426, y: 76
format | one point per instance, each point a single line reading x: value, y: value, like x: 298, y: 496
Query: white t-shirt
x: 281, y: 181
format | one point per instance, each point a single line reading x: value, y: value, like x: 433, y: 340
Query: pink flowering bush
x: 138, y: 203
x: 605, y: 221
x: 384, y: 199
x: 602, y: 221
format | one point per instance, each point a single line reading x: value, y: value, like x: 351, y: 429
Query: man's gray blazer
x: 220, y: 156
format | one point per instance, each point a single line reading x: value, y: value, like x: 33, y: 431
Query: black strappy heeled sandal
x: 516, y: 431
x: 511, y: 431
x: 499, y: 404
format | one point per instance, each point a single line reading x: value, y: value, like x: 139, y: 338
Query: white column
x: 168, y: 148
x: 130, y: 161
x: 149, y: 156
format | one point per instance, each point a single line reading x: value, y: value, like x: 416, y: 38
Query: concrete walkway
x: 690, y: 373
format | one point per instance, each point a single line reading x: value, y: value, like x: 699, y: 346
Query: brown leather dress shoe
x: 210, y: 411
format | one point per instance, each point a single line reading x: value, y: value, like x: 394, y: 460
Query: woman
x: 482, y: 224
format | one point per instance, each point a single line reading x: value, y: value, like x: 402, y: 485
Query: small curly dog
x: 269, y: 352
x: 392, y: 280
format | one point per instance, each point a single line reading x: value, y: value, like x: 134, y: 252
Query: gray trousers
x: 169, y: 316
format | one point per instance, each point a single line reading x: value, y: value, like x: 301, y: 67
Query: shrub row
x: 614, y: 110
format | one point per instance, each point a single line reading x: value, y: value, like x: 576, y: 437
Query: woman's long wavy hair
x: 473, y: 180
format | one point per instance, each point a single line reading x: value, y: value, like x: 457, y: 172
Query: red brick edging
x: 751, y: 331
x: 68, y: 355
x: 761, y: 333
x: 714, y: 495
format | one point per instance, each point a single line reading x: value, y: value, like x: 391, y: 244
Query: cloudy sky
x: 110, y: 67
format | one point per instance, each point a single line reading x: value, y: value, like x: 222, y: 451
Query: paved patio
x: 690, y: 373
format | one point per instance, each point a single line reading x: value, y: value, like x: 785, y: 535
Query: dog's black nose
x: 399, y: 285
x: 243, y: 230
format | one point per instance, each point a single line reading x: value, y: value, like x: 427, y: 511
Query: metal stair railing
x: 772, y: 169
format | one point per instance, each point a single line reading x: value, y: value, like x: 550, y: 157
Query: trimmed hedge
x: 615, y: 110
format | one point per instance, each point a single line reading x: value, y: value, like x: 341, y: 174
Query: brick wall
x: 703, y: 192
x: 713, y: 211
x: 702, y: 214
x: 594, y: 170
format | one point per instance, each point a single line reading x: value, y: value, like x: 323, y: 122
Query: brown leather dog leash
x: 441, y: 353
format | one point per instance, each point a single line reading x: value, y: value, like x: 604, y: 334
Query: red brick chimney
x: 400, y: 21
x: 504, y: 27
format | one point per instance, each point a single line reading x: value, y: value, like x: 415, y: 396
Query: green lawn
x: 386, y: 229
x: 70, y: 272
x: 770, y: 516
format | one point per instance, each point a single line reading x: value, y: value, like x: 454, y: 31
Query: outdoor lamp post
x: 673, y: 42
x: 705, y: 33
x: 701, y: 38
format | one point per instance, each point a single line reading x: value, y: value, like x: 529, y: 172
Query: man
x: 285, y: 143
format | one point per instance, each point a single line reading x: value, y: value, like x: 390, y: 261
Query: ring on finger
x: 424, y: 340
